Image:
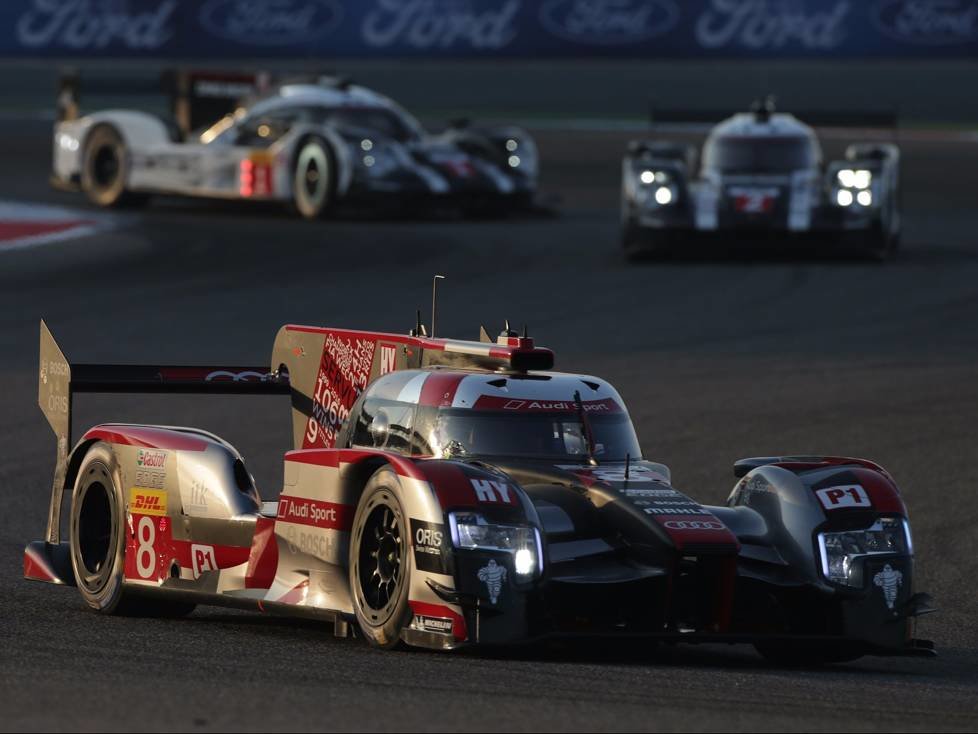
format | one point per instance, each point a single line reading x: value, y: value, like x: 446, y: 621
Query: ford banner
x: 488, y: 28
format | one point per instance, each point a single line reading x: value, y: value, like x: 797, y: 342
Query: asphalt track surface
x: 718, y: 356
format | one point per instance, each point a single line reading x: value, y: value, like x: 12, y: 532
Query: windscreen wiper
x: 588, y: 436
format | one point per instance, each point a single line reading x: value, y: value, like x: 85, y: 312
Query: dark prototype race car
x: 443, y: 493
x: 760, y: 180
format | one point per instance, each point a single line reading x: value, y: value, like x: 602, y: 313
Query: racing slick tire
x: 97, y: 541
x: 808, y: 654
x: 105, y: 165
x: 380, y: 569
x: 313, y: 178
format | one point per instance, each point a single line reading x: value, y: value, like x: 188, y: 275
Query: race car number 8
x: 146, y: 553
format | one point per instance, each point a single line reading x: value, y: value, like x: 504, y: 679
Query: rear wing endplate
x: 59, y: 381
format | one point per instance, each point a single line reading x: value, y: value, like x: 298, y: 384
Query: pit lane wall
x: 518, y: 29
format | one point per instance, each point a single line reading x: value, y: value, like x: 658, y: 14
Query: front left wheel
x: 313, y: 178
x: 380, y: 572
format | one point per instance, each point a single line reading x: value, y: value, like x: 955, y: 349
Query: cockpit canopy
x: 747, y: 144
x: 455, y: 414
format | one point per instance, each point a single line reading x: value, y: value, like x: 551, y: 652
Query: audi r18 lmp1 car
x: 311, y: 142
x: 444, y: 493
x: 760, y: 178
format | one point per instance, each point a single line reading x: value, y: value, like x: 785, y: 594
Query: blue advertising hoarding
x: 331, y: 29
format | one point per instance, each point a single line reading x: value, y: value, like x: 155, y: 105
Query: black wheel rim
x: 380, y: 561
x: 95, y: 531
x: 105, y: 166
x: 311, y: 178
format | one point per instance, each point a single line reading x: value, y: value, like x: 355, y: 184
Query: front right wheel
x: 313, y: 178
x: 380, y: 570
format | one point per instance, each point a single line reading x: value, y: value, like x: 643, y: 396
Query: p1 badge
x: 846, y: 495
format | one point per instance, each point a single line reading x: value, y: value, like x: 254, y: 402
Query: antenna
x: 434, y: 300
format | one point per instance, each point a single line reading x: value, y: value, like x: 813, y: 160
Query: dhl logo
x: 147, y: 501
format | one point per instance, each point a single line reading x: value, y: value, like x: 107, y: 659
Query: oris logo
x: 694, y: 525
x: 608, y: 22
x: 271, y: 22
x: 928, y: 22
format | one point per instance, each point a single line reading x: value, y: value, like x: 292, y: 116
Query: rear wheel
x: 105, y: 166
x: 380, y: 572
x: 97, y: 540
x: 314, y: 178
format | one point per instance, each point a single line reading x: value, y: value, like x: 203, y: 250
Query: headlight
x: 656, y: 188
x: 521, y: 155
x: 377, y: 159
x: 855, y: 179
x: 475, y: 532
x: 840, y: 550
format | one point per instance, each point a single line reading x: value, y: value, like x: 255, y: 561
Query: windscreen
x: 759, y: 154
x: 559, y: 436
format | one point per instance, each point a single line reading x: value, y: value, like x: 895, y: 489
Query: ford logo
x: 271, y: 22
x: 608, y: 22
x: 928, y: 22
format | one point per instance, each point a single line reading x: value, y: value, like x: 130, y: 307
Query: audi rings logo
x: 228, y: 376
x: 694, y: 525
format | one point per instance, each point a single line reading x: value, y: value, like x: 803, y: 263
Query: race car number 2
x: 847, y: 495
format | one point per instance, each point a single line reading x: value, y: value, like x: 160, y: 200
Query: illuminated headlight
x: 474, y: 532
x: 377, y: 159
x: 647, y: 177
x: 67, y: 142
x: 855, y: 179
x: 521, y: 153
x: 840, y: 550
x: 663, y: 195
x: 844, y: 197
x: 865, y: 198
x: 514, y: 161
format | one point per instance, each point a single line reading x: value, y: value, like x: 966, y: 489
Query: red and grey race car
x: 442, y: 493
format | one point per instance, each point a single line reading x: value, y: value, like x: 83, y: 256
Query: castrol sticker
x: 845, y: 495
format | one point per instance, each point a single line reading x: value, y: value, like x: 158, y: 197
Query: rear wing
x: 195, y: 98
x: 59, y: 380
x: 880, y: 118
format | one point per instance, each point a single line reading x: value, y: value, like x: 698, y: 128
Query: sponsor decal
x: 616, y: 474
x: 202, y: 558
x: 441, y: 625
x: 229, y: 376
x: 773, y: 24
x: 749, y: 200
x: 673, y: 510
x: 271, y: 22
x: 431, y: 550
x: 493, y: 575
x: 81, y: 24
x: 608, y: 22
x: 489, y: 490
x: 388, y: 358
x: 494, y: 402
x: 326, y: 515
x: 148, y: 459
x: 150, y: 478
x: 440, y: 24
x: 317, y: 544
x: 343, y: 374
x: 889, y: 580
x: 846, y: 495
x: 649, y: 492
x: 199, y: 494
x: 694, y: 525
x: 145, y: 501
x: 927, y: 22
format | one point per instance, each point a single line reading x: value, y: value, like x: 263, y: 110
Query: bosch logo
x: 694, y: 525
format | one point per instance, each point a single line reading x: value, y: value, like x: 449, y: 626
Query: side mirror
x: 380, y: 429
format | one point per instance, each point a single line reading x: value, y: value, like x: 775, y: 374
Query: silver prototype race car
x: 760, y: 178
x: 311, y: 142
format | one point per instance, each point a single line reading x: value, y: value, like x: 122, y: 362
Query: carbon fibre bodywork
x: 606, y: 544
